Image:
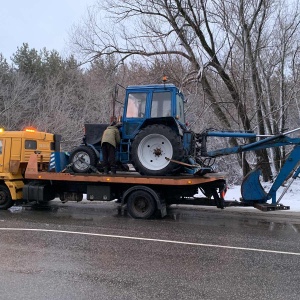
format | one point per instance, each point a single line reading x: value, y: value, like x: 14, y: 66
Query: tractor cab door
x: 161, y: 104
x: 135, y: 113
x: 1, y: 155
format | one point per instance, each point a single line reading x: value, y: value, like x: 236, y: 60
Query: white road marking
x: 150, y: 240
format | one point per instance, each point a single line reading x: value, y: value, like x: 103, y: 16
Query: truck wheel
x: 151, y: 147
x: 141, y: 205
x: 5, y: 198
x: 82, y: 158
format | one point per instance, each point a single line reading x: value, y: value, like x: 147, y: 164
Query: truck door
x: 15, y: 155
x: 16, y: 149
x: 1, y: 156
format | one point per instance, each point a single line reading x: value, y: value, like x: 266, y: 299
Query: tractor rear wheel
x: 152, y: 146
x: 82, y: 158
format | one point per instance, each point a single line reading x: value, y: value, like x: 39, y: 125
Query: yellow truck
x: 16, y: 147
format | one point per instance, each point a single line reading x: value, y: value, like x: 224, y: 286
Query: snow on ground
x: 291, y: 198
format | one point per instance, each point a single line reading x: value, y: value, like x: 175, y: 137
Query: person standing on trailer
x: 109, y: 142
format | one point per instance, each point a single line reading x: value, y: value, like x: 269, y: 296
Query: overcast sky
x: 40, y: 23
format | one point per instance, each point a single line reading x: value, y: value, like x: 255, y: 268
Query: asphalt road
x: 89, y: 251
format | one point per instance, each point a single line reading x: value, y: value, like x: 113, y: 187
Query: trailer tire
x: 5, y: 198
x: 141, y: 205
x: 82, y: 158
x: 151, y: 147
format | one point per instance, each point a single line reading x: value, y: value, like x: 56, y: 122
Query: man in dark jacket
x: 109, y: 142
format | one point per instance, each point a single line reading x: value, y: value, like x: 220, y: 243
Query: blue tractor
x: 154, y: 135
x: 157, y: 142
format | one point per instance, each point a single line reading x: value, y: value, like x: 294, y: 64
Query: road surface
x: 89, y: 251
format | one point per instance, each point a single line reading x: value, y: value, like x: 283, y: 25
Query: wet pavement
x: 90, y: 251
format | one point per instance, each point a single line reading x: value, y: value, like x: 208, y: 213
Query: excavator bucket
x: 251, y: 188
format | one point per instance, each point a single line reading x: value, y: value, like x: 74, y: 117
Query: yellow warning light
x: 1, y: 129
x: 190, y: 182
x: 30, y: 129
x: 165, y: 78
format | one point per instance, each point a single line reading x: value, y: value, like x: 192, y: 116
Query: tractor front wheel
x: 152, y: 148
x: 82, y: 158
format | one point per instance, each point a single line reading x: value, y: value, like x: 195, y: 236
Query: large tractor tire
x: 152, y: 146
x: 82, y: 158
x: 5, y: 198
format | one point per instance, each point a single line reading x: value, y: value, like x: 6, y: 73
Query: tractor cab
x: 151, y: 104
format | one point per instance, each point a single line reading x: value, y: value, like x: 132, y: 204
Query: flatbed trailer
x: 144, y: 196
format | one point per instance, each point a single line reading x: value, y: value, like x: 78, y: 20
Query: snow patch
x: 291, y: 198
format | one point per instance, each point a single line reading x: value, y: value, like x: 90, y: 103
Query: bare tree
x: 223, y: 43
x: 285, y: 48
x: 267, y: 50
x: 165, y: 29
x: 18, y: 95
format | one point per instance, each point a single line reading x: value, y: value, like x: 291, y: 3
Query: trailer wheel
x: 82, y: 158
x: 151, y: 147
x: 141, y: 205
x: 5, y: 198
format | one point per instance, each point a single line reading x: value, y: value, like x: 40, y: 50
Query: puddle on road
x: 200, y: 217
x: 90, y: 213
x: 236, y: 220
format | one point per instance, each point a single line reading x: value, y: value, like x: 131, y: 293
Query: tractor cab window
x: 1, y: 143
x: 161, y: 105
x: 136, y: 105
x: 179, y: 108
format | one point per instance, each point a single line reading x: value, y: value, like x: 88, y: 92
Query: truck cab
x: 16, y: 148
x: 151, y: 104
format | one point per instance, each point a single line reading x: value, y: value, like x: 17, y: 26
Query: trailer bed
x: 121, y: 177
x: 142, y: 195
